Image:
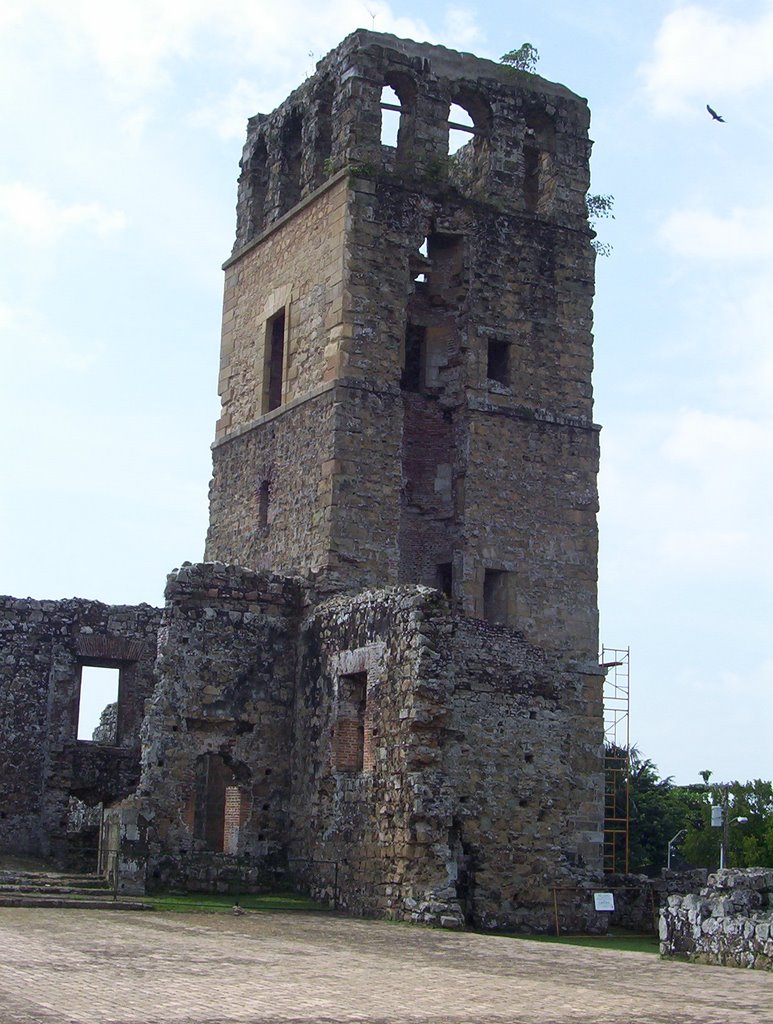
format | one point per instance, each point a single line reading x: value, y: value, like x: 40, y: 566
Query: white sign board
x: 604, y: 900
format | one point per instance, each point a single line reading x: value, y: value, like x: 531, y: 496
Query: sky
x: 122, y: 125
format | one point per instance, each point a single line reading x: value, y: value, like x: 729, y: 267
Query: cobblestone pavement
x: 68, y: 967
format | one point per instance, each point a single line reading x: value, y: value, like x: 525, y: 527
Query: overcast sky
x: 122, y: 125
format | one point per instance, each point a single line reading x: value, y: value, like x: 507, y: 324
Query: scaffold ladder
x: 616, y: 661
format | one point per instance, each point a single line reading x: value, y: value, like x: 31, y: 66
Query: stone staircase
x: 58, y: 889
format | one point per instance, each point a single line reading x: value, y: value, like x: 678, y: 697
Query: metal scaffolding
x: 617, y: 757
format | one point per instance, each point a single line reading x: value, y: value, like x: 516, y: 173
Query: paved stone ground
x: 68, y: 967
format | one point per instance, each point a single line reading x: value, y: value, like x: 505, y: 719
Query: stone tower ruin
x: 407, y: 352
x: 382, y: 683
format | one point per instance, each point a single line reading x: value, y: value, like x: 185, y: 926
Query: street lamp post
x: 720, y: 818
x: 671, y: 842
x: 726, y: 836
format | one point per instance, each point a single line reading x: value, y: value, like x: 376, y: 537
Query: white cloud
x: 701, y: 55
x: 28, y: 343
x: 701, y: 438
x: 227, y: 116
x: 461, y: 28
x: 692, y: 492
x: 40, y: 219
x: 136, y: 42
x: 743, y: 234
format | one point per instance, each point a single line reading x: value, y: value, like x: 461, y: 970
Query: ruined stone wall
x: 271, y: 494
x: 220, y: 719
x: 42, y: 764
x: 729, y: 922
x: 485, y: 787
x: 370, y: 820
x: 522, y: 759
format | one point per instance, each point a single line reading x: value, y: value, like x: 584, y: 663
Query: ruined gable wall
x: 220, y: 716
x: 484, y: 786
x: 44, y: 645
x: 522, y: 759
x: 373, y: 821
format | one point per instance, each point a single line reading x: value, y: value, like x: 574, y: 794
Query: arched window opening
x: 461, y: 128
x: 420, y: 264
x: 391, y: 113
x: 323, y: 142
x: 539, y: 177
x: 292, y: 153
x: 398, y: 101
x: 256, y: 172
x: 469, y: 126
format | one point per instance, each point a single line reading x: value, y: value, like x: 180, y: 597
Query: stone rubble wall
x: 729, y: 922
x: 486, y: 778
x: 638, y: 898
x: 224, y: 690
x: 106, y: 730
x: 42, y: 764
x: 521, y: 761
x: 379, y: 825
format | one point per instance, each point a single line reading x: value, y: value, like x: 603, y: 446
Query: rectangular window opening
x: 498, y: 362
x: 415, y: 357
x: 444, y: 578
x: 349, y: 754
x: 496, y: 596
x: 531, y: 177
x: 264, y: 497
x: 98, y: 704
x: 275, y: 354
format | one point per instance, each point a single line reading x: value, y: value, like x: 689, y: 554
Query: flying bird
x: 714, y: 114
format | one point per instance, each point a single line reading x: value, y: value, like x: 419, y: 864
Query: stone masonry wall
x: 219, y: 719
x: 288, y: 465
x: 522, y: 759
x: 486, y: 780
x: 297, y: 267
x: 371, y: 821
x: 42, y: 764
x: 729, y: 922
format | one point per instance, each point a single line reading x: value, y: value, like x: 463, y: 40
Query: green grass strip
x: 629, y: 942
x: 224, y: 902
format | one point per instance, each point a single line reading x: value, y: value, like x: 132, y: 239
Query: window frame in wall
x: 275, y: 360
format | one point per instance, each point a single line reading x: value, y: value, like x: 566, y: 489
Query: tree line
x: 661, y: 811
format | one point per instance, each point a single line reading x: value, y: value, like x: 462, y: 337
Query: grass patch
x: 630, y: 942
x: 224, y: 902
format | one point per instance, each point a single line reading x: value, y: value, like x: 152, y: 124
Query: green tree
x: 599, y: 206
x: 659, y: 810
x: 655, y: 815
x: 750, y: 844
x: 525, y: 58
